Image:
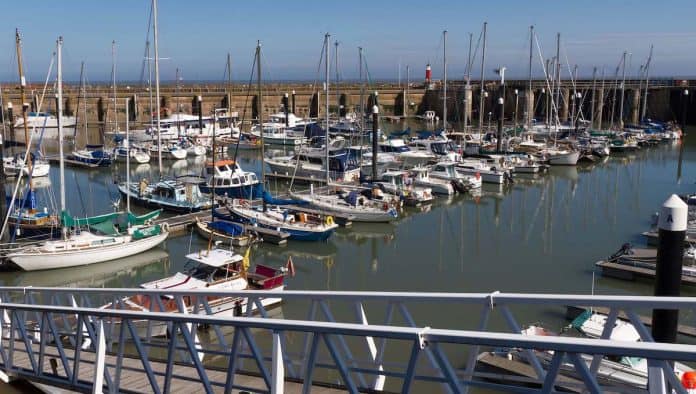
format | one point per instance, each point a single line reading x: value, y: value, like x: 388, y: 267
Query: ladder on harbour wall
x: 63, y: 337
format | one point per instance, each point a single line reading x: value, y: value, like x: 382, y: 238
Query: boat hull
x: 238, y: 240
x: 71, y: 258
x: 296, y: 232
x: 565, y: 159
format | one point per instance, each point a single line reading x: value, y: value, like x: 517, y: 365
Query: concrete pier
x: 663, y: 99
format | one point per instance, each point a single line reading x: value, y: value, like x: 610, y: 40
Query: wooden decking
x: 185, y: 378
x: 628, y: 272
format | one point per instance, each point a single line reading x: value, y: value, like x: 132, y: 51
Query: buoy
x: 329, y: 220
x: 688, y: 380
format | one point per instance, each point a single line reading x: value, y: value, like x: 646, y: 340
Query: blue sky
x: 196, y: 36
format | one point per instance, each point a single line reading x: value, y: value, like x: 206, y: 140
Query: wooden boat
x: 223, y: 231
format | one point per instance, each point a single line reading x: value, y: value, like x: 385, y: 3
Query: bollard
x: 670, y: 254
x: 375, y: 127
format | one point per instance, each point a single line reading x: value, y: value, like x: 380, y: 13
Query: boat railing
x: 360, y: 341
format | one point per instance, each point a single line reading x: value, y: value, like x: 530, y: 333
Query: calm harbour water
x: 541, y: 234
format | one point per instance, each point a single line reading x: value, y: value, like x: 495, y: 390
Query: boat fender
x: 385, y: 206
x: 478, y: 175
x: 329, y: 220
x: 165, y: 227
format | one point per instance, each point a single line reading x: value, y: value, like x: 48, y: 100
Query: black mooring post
x: 375, y: 128
x: 200, y: 114
x: 501, y: 109
x: 293, y: 102
x: 286, y: 109
x: 670, y: 254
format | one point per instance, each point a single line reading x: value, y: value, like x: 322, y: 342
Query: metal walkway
x: 64, y: 337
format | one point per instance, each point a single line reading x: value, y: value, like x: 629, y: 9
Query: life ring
x: 329, y: 220
x: 165, y: 227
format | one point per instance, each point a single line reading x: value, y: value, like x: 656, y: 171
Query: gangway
x: 321, y: 342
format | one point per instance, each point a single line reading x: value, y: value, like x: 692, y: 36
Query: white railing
x: 332, y: 343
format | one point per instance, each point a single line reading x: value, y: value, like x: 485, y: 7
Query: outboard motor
x: 459, y: 186
x: 624, y: 250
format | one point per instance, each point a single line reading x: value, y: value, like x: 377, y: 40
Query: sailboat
x: 93, y: 239
x: 91, y: 154
x: 273, y: 214
x: 23, y: 216
x: 344, y: 202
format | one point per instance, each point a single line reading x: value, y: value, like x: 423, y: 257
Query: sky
x: 197, y: 36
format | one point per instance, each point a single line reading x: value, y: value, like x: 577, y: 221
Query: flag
x: 290, y: 267
x: 245, y: 261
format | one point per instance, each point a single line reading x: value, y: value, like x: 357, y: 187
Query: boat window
x: 235, y: 181
x: 222, y: 168
x: 315, y: 160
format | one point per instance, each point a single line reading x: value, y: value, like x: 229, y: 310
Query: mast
x: 594, y: 93
x: 59, y: 116
x: 114, y: 125
x: 326, y: 64
x: 558, y: 79
x: 444, y: 85
x: 362, y: 92
x: 601, y: 101
x: 338, y: 93
x: 128, y: 151
x: 157, y: 84
x: 178, y: 105
x: 149, y: 78
x: 647, y: 80
x: 467, y: 89
x: 229, y: 86
x: 483, y: 68
x: 83, y: 91
x: 260, y: 107
x: 530, y: 106
x: 623, y: 84
x: 25, y: 108
x: 407, y: 95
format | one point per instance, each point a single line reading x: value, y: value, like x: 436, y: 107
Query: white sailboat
x: 344, y: 203
x: 105, y: 240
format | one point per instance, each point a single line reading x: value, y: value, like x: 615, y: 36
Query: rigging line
x: 246, y: 102
x: 470, y: 63
x: 147, y: 42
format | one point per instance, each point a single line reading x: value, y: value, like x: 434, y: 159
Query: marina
x: 347, y: 231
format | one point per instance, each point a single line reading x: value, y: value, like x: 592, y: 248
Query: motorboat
x: 14, y: 165
x: 213, y: 269
x: 421, y: 177
x: 227, y: 178
x: 92, y: 155
x: 181, y: 194
x: 400, y: 183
